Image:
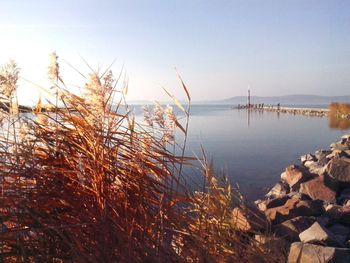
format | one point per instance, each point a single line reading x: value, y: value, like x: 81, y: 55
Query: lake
x: 254, y: 149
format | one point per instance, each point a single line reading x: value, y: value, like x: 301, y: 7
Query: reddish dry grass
x: 87, y: 183
x: 339, y: 108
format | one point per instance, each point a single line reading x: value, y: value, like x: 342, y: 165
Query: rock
x: 295, y: 175
x: 318, y: 168
x: 339, y: 154
x: 339, y: 214
x: 339, y: 169
x: 308, y: 164
x: 307, y: 157
x: 261, y: 204
x: 283, y: 177
x: 321, y: 156
x: 274, y: 245
x: 318, y: 234
x: 309, y: 253
x: 345, y: 138
x: 317, y: 189
x: 300, y: 196
x: 344, y: 196
x: 270, y: 203
x: 340, y: 231
x: 342, y: 146
x: 290, y: 229
x: 248, y: 219
x: 323, y: 220
x: 278, y: 190
x: 293, y: 208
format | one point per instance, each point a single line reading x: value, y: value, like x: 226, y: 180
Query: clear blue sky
x: 219, y: 47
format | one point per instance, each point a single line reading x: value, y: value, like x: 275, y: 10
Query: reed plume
x: 90, y: 183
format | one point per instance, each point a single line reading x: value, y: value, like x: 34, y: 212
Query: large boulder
x: 290, y: 229
x: 295, y: 175
x: 318, y: 234
x: 339, y: 169
x: 293, y: 208
x: 248, y: 219
x: 309, y: 253
x: 320, y: 188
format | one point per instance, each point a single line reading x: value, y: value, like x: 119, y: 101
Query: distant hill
x: 286, y: 100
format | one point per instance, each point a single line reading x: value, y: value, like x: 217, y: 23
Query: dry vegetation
x: 85, y: 182
x: 339, y: 109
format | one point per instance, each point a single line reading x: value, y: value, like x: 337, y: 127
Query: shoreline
x: 318, y: 112
x: 306, y: 111
x: 308, y: 210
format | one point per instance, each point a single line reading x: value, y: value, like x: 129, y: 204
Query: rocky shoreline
x: 307, y: 213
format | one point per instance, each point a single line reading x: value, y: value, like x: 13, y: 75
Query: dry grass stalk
x: 89, y: 183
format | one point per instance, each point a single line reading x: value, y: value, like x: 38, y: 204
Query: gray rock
x: 283, y: 177
x: 307, y: 157
x: 323, y: 220
x: 321, y: 156
x: 318, y: 234
x: 345, y: 138
x: 309, y: 253
x: 344, y: 196
x: 339, y: 154
x: 341, y: 232
x: 280, y: 189
x: 261, y: 204
x: 339, y: 169
x: 342, y: 146
x: 317, y: 168
x: 308, y: 164
x: 338, y: 214
x: 290, y: 229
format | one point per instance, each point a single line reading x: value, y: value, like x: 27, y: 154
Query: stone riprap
x: 310, y: 206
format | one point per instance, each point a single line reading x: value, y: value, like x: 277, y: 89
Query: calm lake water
x: 254, y: 149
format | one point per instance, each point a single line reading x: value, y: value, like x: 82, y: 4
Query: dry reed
x: 339, y: 109
x: 87, y: 183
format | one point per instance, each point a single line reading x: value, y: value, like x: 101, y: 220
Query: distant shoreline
x: 307, y: 111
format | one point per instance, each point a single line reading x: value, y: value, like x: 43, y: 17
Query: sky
x: 219, y: 48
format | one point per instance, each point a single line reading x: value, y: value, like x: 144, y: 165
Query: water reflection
x: 335, y: 122
x: 248, y: 117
